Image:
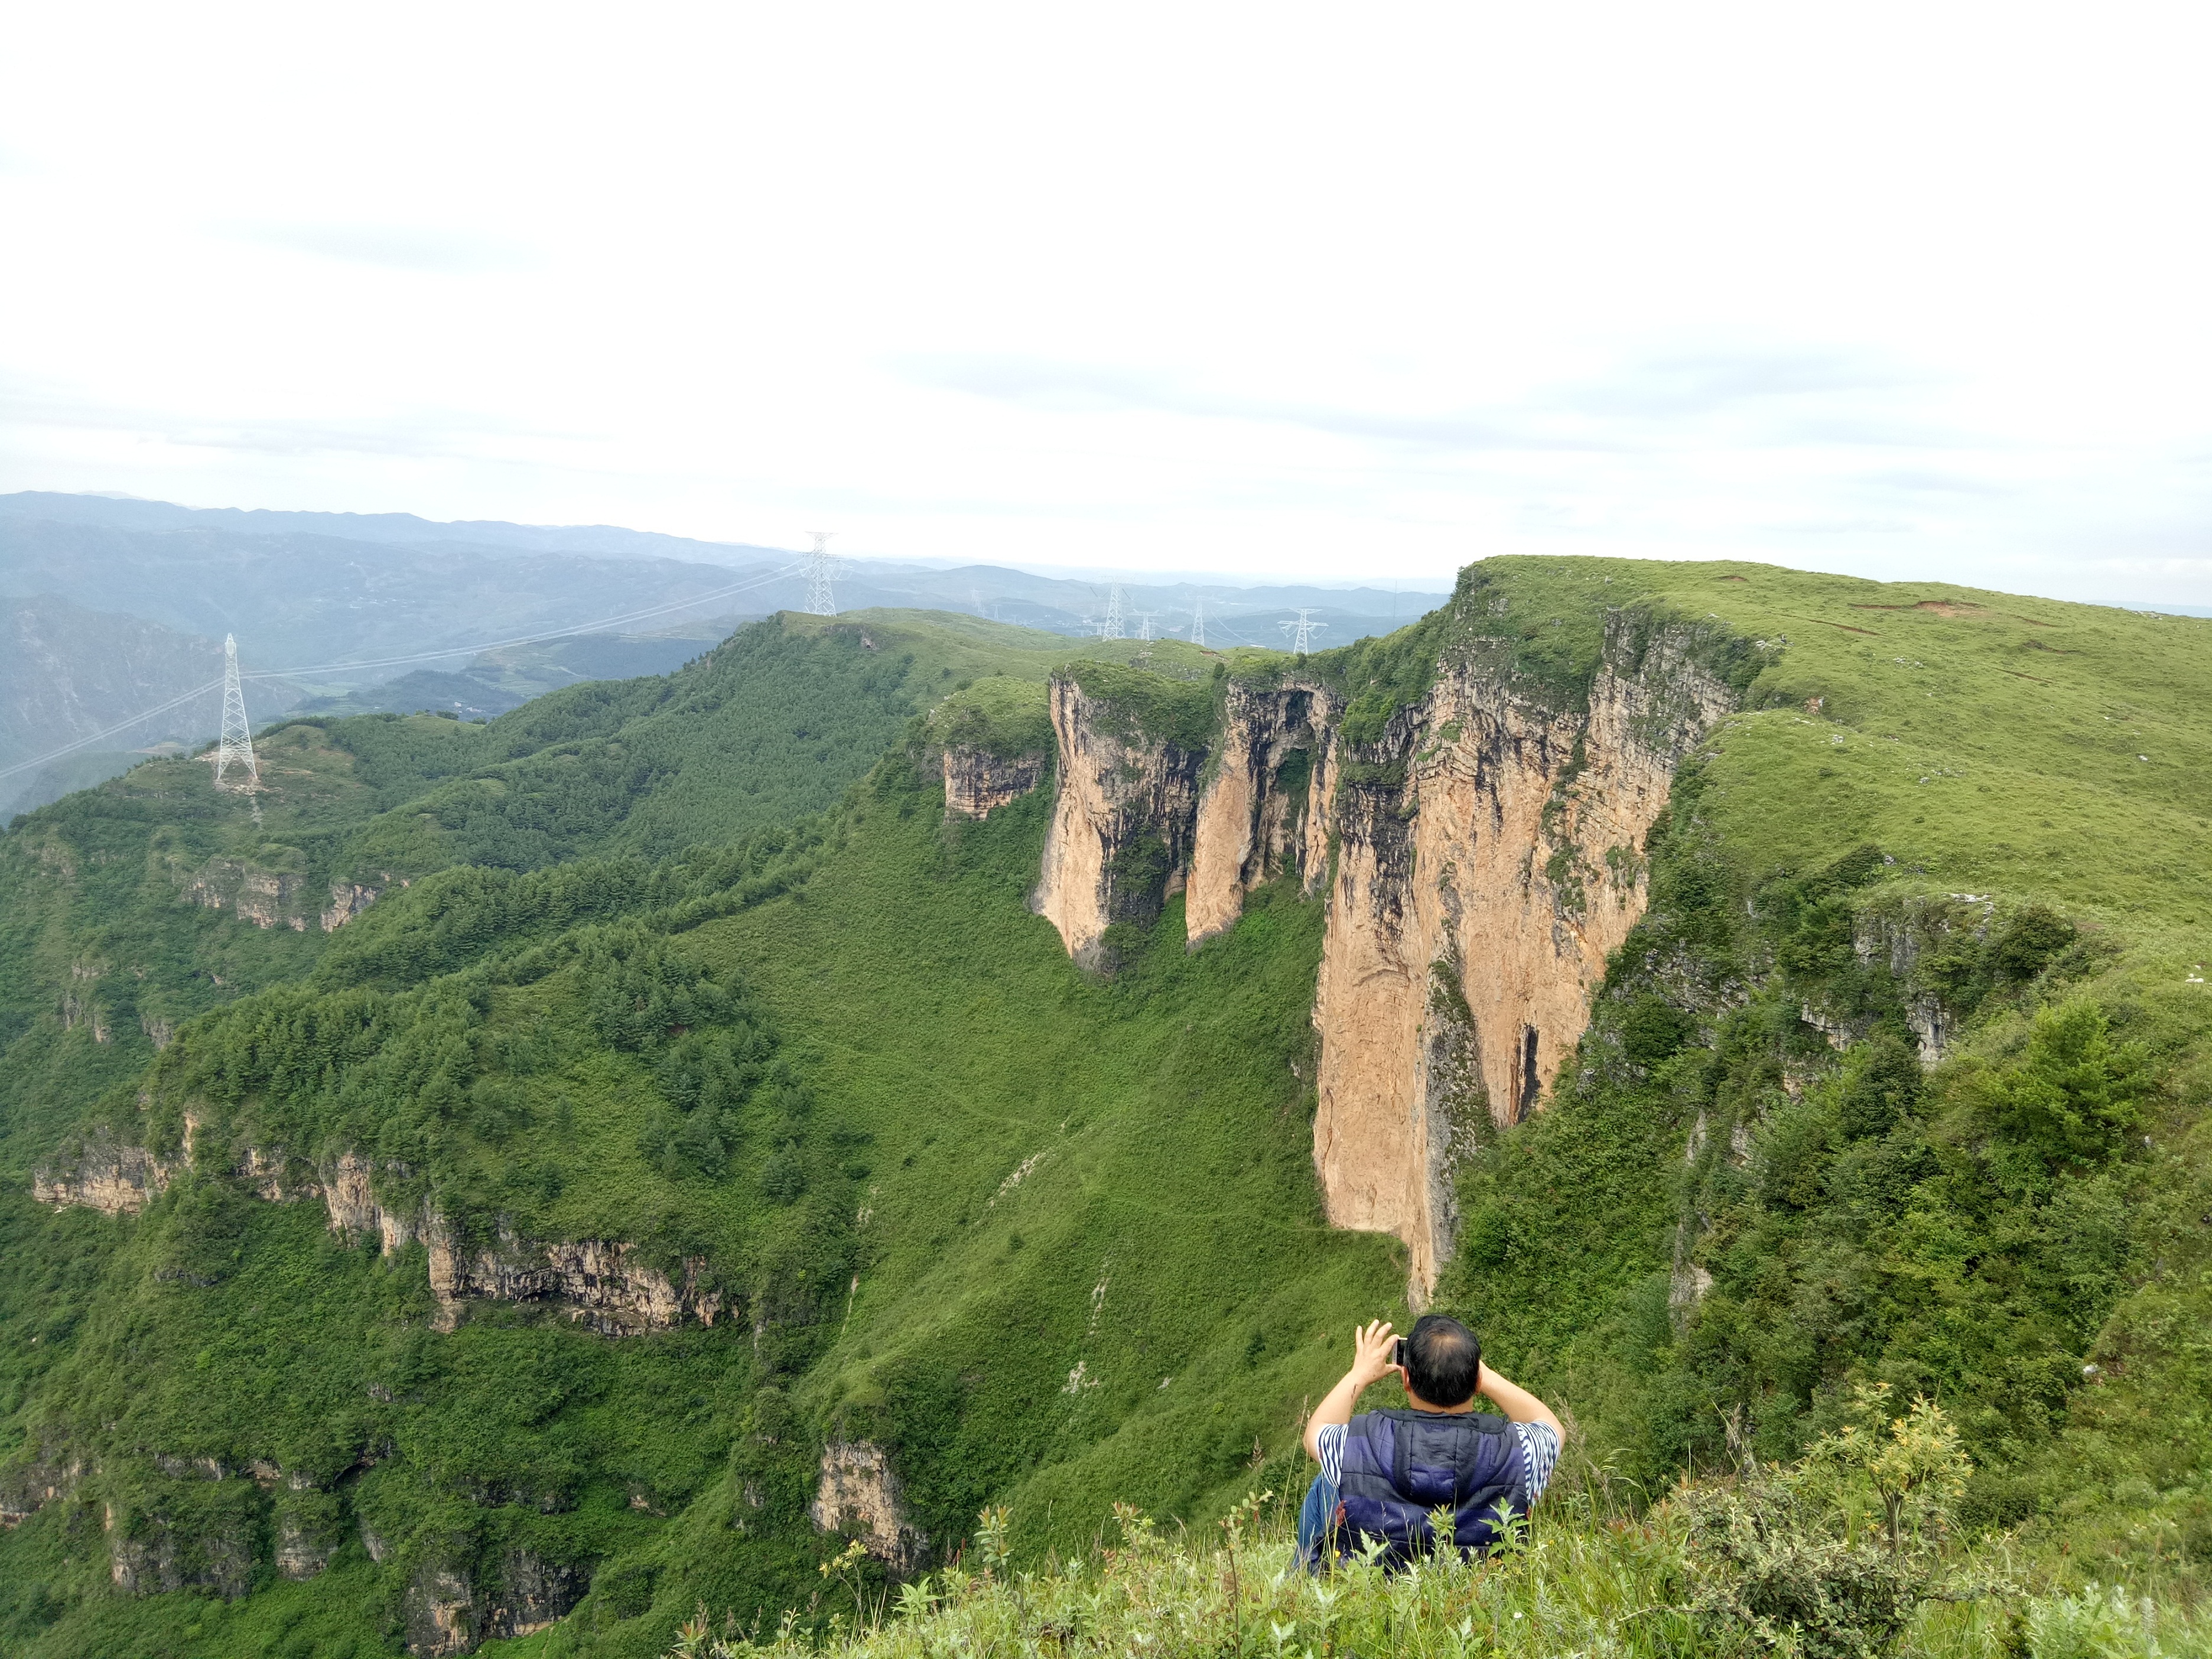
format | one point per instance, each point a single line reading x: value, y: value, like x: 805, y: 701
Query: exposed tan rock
x: 264, y: 896
x: 350, y: 1201
x: 1473, y: 906
x: 977, y: 783
x: 1121, y: 824
x: 440, y: 1611
x: 1248, y: 830
x: 103, y: 1176
x: 348, y: 899
x: 859, y: 1495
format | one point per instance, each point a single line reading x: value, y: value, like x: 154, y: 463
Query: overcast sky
x: 1355, y: 291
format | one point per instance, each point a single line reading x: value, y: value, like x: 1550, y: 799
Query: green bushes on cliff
x: 998, y: 714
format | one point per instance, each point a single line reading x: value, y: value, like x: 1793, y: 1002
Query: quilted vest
x: 1399, y: 1465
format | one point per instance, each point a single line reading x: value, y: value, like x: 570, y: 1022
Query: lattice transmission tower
x: 1198, y: 621
x: 821, y: 567
x: 1302, y: 631
x: 1144, y: 622
x: 234, y: 749
x: 1113, y: 627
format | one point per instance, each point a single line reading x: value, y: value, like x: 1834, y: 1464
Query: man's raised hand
x: 1371, y: 1346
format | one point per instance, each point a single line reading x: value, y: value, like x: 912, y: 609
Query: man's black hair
x: 1442, y: 1360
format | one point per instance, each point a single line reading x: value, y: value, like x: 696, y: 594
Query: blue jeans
x: 1317, y: 1525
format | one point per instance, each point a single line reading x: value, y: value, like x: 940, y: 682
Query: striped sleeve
x: 1539, y: 1449
x: 1330, y: 1441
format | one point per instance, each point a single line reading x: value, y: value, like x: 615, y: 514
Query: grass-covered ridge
x: 684, y: 962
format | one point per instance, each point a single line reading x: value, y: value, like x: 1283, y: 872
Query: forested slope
x: 690, y: 1123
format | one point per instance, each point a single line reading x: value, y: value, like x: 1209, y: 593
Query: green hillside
x: 699, y: 963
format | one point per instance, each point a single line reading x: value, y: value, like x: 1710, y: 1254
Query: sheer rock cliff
x: 1489, y: 858
x: 977, y: 782
x: 859, y: 1495
x: 1482, y: 857
x: 1263, y: 794
x: 1122, y: 825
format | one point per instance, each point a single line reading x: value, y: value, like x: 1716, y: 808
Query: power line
x: 533, y: 639
x: 129, y: 720
x: 820, y: 566
x: 235, y: 746
x: 1302, y: 631
x: 109, y: 732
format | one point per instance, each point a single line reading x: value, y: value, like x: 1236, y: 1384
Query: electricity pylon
x: 1198, y: 621
x: 1302, y: 631
x: 820, y: 566
x: 1111, y: 629
x: 1144, y: 622
x: 235, y: 747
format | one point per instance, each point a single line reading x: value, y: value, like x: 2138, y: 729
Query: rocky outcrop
x: 440, y: 1613
x: 859, y: 1495
x: 1899, y: 937
x: 149, y: 1553
x: 348, y: 899
x: 1482, y: 853
x: 446, y: 1613
x: 103, y: 1176
x: 603, y: 1284
x: 1489, y: 858
x: 1123, y: 824
x: 349, y: 1199
x: 29, y: 1487
x: 1263, y: 794
x: 977, y: 782
x: 266, y: 894
x: 533, y: 1594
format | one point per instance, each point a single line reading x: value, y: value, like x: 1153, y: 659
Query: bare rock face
x: 268, y: 896
x: 103, y: 1176
x: 603, y: 1283
x: 348, y: 899
x: 1482, y: 857
x: 1121, y: 827
x: 307, y: 1538
x: 441, y: 1613
x: 29, y: 1487
x: 148, y: 1555
x: 1262, y: 801
x: 977, y: 783
x: 1477, y: 891
x: 350, y: 1201
x: 859, y: 1495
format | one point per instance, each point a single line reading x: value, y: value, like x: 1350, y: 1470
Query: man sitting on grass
x: 1382, y: 1473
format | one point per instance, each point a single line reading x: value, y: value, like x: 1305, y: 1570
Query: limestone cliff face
x: 1264, y: 801
x: 858, y: 1494
x: 267, y: 894
x: 103, y: 1176
x: 1489, y: 857
x: 1482, y: 857
x: 1122, y: 825
x: 599, y: 1283
x: 977, y: 782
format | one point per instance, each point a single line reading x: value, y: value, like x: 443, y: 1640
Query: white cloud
x: 1912, y: 291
